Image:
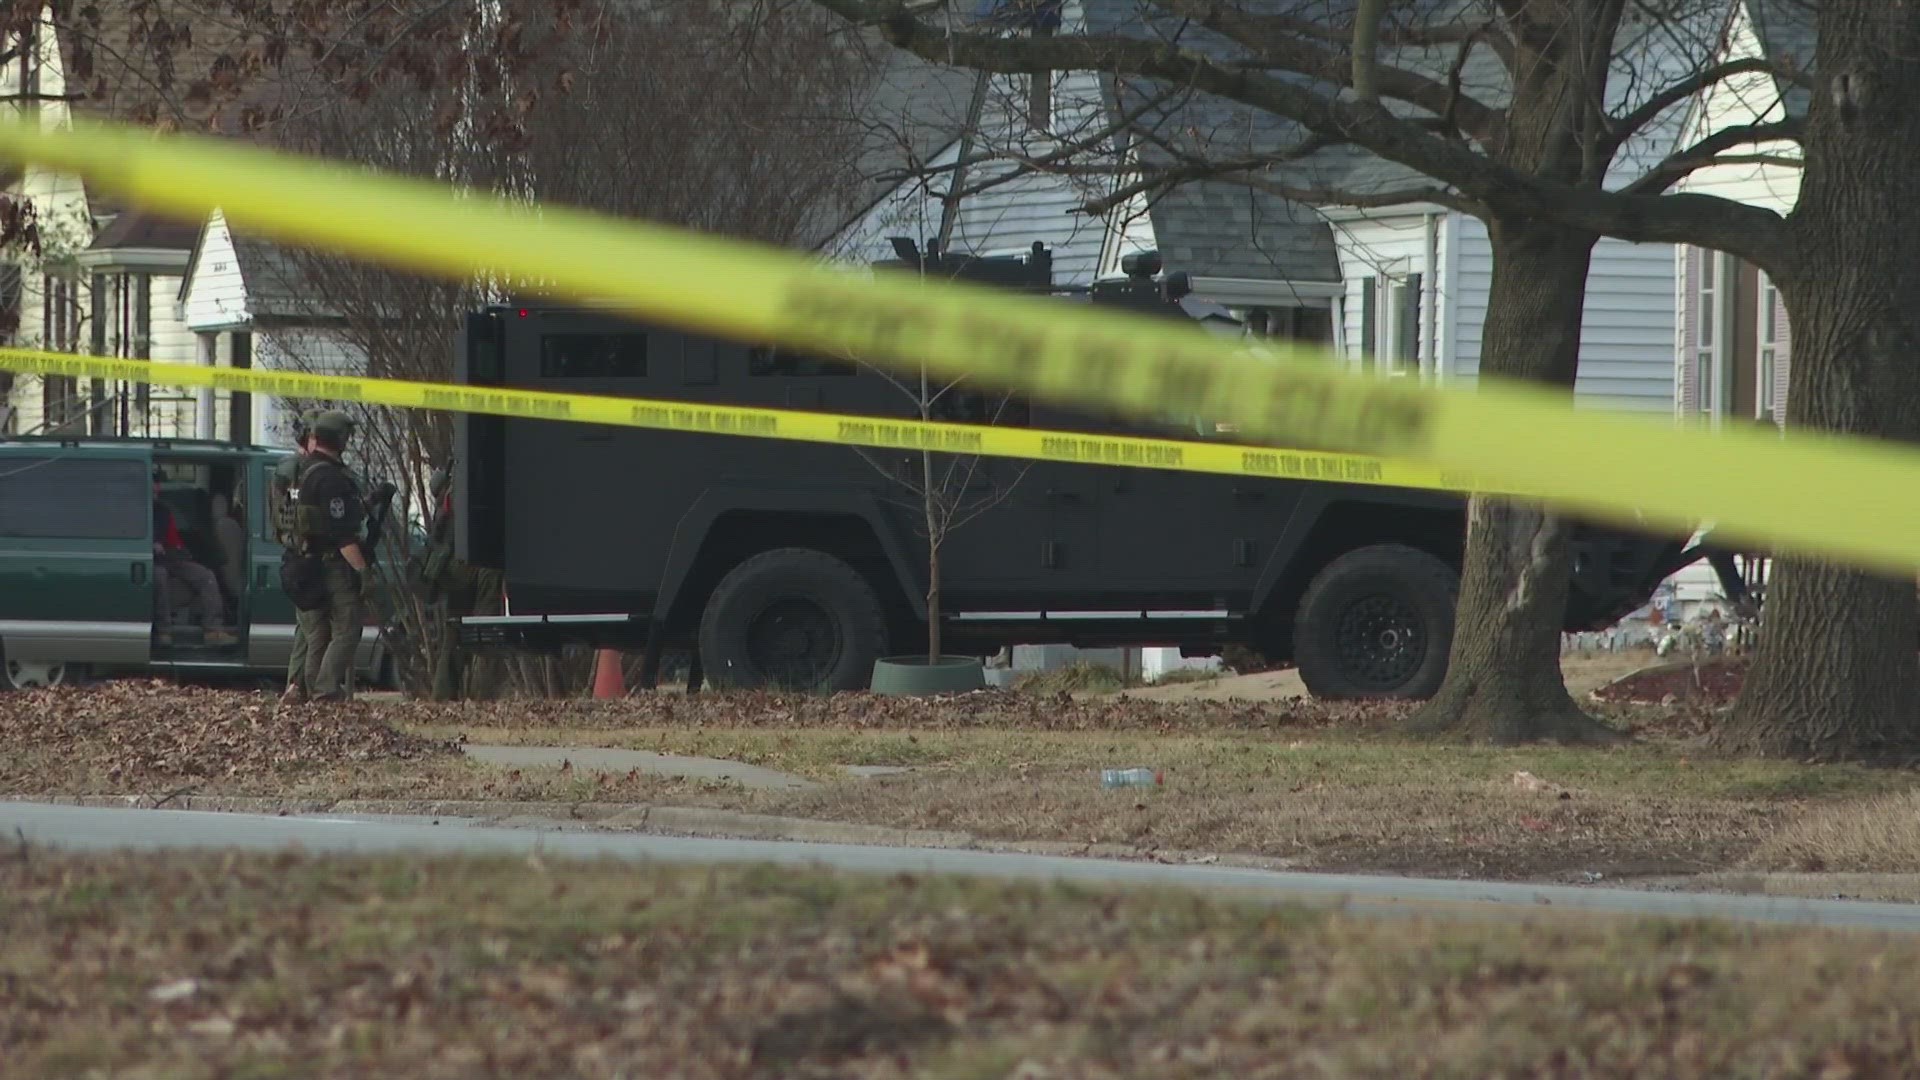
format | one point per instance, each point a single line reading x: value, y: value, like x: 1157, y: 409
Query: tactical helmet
x: 334, y: 424
x: 303, y: 424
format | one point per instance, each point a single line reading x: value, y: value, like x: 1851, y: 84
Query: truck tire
x: 792, y: 619
x: 1377, y: 622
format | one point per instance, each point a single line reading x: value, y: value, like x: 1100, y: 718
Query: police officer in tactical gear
x: 328, y: 515
x: 283, y: 489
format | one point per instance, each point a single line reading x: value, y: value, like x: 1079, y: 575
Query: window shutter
x: 1409, y: 338
x: 1782, y: 359
x: 1369, y: 320
x: 1689, y: 318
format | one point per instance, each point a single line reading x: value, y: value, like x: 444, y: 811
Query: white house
x: 246, y: 303
x: 1733, y: 342
x: 1404, y: 288
x: 105, y: 279
x: 1259, y: 256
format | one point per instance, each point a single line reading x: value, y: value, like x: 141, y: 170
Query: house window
x: 1390, y: 325
x: 62, y: 314
x: 1706, y: 336
x: 1405, y: 313
x: 60, y: 332
x: 1769, y: 344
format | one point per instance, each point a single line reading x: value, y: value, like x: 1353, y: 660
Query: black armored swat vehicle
x: 797, y: 564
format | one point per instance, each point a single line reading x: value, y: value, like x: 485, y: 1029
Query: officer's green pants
x: 333, y: 632
x: 297, y: 660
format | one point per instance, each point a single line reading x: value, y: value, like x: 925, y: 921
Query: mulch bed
x: 1716, y: 683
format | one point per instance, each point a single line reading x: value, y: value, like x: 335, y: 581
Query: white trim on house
x: 1339, y: 214
x: 1757, y: 179
x: 1766, y: 346
x: 1627, y: 329
x: 133, y: 260
x: 212, y: 292
x: 1679, y: 329
x: 1711, y: 324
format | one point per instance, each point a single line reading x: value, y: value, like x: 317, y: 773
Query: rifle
x: 379, y: 509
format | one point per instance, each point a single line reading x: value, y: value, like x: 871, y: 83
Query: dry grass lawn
x: 1324, y: 801
x: 211, y: 966
x: 1313, y: 787
x: 1879, y: 835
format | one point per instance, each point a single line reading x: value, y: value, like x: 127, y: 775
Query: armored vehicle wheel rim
x: 793, y: 641
x: 1379, y: 641
x: 35, y: 674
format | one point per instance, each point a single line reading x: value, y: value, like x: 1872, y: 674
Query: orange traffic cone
x: 607, y: 681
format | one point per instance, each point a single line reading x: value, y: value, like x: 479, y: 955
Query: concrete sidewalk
x: 600, y: 759
x: 72, y: 828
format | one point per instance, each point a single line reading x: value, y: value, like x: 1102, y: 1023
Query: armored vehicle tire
x: 1376, y: 623
x: 792, y: 619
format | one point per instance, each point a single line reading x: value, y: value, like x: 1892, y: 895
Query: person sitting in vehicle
x: 231, y: 532
x: 175, y: 571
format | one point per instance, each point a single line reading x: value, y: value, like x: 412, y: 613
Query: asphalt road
x: 89, y: 829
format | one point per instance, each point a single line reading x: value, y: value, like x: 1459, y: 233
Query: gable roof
x: 907, y: 114
x: 1213, y: 229
x: 144, y: 229
x: 1689, y: 34
x: 276, y: 287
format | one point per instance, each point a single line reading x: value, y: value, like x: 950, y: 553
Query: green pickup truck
x: 79, y: 593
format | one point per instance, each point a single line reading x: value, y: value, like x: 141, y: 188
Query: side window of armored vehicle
x: 968, y: 405
x: 773, y: 360
x: 593, y: 355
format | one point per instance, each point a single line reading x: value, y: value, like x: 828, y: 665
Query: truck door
x: 270, y: 629
x: 1063, y: 541
x: 76, y: 556
x: 1190, y: 533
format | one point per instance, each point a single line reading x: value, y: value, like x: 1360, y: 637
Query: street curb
x: 255, y: 804
x: 706, y: 821
x: 691, y: 821
x: 1791, y: 884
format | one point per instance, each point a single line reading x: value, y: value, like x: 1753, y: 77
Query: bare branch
x: 1271, y: 42
x: 1366, y: 31
x: 1374, y: 200
x: 1711, y: 151
x: 1625, y: 127
x: 1750, y: 232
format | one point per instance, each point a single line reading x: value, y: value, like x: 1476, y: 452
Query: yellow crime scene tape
x: 703, y: 418
x: 1820, y: 494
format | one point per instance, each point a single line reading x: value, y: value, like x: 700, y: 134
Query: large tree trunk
x: 1503, y: 681
x: 1835, y: 674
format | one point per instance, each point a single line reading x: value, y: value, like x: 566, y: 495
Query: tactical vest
x: 310, y: 522
x: 282, y: 503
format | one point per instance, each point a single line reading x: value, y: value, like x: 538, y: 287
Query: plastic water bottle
x: 1113, y: 778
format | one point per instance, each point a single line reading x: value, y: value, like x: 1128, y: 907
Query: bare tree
x: 240, y: 68
x: 1539, y: 161
x: 710, y: 114
x: 946, y: 490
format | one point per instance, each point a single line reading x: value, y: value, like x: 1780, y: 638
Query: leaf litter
x: 142, y: 733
